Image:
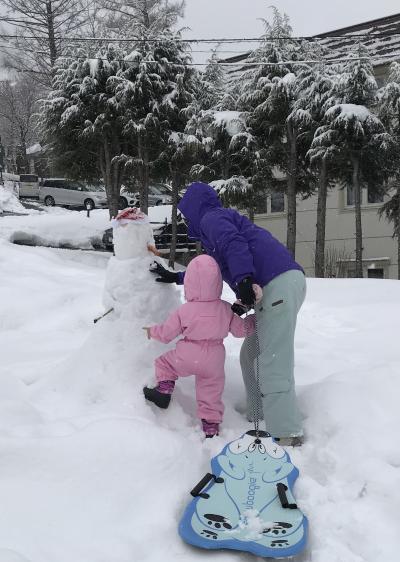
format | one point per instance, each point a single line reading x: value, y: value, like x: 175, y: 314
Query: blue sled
x: 247, y: 503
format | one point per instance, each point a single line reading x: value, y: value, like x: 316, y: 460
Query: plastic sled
x: 247, y: 503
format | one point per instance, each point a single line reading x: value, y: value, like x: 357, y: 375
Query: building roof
x: 381, y: 37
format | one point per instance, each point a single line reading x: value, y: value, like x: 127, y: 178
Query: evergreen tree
x: 280, y: 127
x: 212, y: 87
x: 111, y: 116
x: 389, y: 110
x: 356, y: 137
x: 362, y: 135
x: 316, y: 85
x: 83, y: 120
x: 158, y: 90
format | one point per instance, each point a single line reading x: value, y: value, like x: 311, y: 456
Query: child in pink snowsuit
x: 204, y: 321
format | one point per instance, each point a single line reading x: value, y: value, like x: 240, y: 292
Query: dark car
x: 162, y: 237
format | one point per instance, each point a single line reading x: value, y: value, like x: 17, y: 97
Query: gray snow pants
x: 276, y: 323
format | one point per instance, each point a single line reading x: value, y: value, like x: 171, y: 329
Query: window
x: 277, y: 202
x: 49, y: 183
x: 261, y: 205
x: 376, y: 273
x: 374, y: 197
x: 350, y: 200
x: 28, y: 178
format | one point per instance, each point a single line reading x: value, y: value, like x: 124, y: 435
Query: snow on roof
x: 380, y: 36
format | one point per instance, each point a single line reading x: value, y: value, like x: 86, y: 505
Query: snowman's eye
x: 252, y: 447
x: 261, y: 448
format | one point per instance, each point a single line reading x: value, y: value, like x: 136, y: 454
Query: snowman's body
x: 130, y: 289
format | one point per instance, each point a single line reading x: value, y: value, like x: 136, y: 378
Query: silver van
x: 28, y: 185
x: 159, y: 194
x: 59, y: 191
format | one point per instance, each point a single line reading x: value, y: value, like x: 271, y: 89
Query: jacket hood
x: 203, y: 280
x: 197, y: 201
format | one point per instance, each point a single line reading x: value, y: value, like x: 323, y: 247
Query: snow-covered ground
x: 60, y: 227
x: 9, y: 202
x: 91, y: 473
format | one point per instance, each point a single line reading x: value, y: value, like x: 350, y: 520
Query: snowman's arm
x: 181, y: 277
x: 169, y: 330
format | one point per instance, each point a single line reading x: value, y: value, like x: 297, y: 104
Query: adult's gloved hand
x: 239, y: 308
x: 246, y: 292
x: 165, y: 276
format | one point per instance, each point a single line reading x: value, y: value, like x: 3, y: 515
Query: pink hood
x: 203, y: 280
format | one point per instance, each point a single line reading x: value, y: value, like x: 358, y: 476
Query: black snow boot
x: 158, y: 398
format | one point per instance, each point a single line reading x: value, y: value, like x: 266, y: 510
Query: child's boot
x: 161, y: 394
x: 210, y: 428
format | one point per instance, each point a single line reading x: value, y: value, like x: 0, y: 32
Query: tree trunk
x: 398, y: 254
x: 291, y: 191
x: 106, y: 172
x: 321, y: 221
x: 144, y: 187
x: 397, y: 223
x: 174, y: 218
x: 357, y: 207
x: 50, y: 33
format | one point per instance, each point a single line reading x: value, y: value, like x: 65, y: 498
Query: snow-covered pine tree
x: 315, y: 85
x: 389, y: 111
x: 159, y: 89
x: 229, y: 159
x: 357, y: 136
x: 212, y: 88
x: 269, y: 93
x: 83, y: 119
x: 181, y: 149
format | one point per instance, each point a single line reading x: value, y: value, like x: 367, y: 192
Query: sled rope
x: 255, y: 392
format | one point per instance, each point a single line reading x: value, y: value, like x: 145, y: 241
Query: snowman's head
x: 132, y: 234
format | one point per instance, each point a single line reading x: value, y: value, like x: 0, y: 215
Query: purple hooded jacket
x: 240, y: 248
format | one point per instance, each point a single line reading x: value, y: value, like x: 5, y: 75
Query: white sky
x: 238, y: 18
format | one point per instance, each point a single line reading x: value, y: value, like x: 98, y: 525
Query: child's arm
x: 167, y: 331
x: 242, y: 327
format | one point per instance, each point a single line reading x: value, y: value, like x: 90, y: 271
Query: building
x: 382, y: 37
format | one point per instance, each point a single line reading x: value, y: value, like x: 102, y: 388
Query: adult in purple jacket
x: 247, y: 255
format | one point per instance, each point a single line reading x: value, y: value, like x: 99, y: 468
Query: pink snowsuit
x: 204, y: 321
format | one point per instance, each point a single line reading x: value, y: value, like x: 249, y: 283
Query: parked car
x: 28, y: 186
x: 60, y: 191
x: 159, y: 194
x: 162, y: 237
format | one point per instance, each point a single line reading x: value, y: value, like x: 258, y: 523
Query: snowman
x: 130, y: 290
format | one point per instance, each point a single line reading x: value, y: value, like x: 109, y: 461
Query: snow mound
x: 9, y: 202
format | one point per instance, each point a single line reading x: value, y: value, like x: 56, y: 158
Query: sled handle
x: 196, y: 492
x: 283, y: 497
